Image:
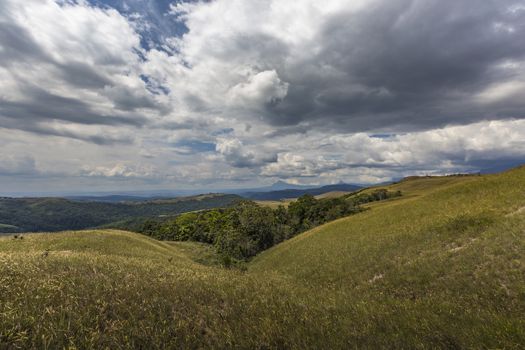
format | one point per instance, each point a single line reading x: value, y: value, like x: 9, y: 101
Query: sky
x: 120, y: 95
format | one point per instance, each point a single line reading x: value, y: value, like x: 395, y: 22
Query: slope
x: 444, y: 264
x: 115, y: 289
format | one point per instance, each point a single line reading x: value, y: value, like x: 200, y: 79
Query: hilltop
x: 441, y: 266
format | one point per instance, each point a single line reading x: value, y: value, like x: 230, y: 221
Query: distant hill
x: 281, y: 185
x: 109, y: 198
x: 57, y: 214
x: 295, y: 193
x: 277, y: 186
x: 145, y: 199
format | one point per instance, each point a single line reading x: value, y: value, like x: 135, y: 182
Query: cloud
x: 344, y: 65
x: 17, y: 165
x: 360, y: 66
x: 120, y: 170
x: 289, y: 165
x: 261, y: 90
x: 72, y: 63
x: 240, y: 156
x: 231, y: 91
x: 452, y: 149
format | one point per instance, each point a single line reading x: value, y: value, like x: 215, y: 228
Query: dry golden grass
x: 333, y: 194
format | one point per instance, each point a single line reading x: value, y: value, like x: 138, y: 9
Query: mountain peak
x: 280, y: 182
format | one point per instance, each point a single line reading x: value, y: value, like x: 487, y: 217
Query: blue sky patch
x: 196, y: 145
x: 161, y: 25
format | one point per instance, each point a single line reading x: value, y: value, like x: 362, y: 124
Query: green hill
x: 442, y: 266
x: 59, y: 214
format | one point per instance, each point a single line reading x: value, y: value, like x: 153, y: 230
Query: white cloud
x: 121, y: 170
x: 240, y: 156
x: 446, y: 150
x: 261, y: 89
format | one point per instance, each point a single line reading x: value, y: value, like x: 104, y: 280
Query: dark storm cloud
x: 126, y: 99
x: 20, y: 47
x: 43, y: 129
x: 405, y: 62
x: 42, y: 105
x: 249, y: 160
x: 82, y: 75
x: 17, y: 45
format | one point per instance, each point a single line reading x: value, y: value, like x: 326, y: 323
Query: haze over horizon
x: 122, y: 95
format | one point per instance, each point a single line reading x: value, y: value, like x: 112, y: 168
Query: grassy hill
x: 285, y: 202
x: 443, y: 266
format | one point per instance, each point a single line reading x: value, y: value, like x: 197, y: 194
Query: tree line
x: 242, y: 231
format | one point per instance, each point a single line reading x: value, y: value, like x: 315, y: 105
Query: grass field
x: 285, y: 202
x: 333, y: 194
x: 274, y: 204
x: 443, y: 266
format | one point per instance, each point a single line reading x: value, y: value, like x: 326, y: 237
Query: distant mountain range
x: 117, y: 198
x: 278, y: 186
x: 297, y: 192
x: 276, y: 191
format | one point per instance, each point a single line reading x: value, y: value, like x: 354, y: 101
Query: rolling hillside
x: 443, y: 266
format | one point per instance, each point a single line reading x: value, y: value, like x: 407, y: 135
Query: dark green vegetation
x: 241, y: 232
x: 56, y: 214
x: 442, y: 266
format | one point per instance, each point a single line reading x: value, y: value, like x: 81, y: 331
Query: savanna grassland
x: 442, y: 266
